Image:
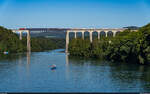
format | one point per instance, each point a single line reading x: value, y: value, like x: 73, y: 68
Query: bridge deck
x: 76, y: 29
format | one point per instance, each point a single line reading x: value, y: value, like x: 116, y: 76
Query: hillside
x: 131, y: 47
x: 10, y: 42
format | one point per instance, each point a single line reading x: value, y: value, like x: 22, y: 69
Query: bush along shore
x: 9, y: 42
x: 127, y: 46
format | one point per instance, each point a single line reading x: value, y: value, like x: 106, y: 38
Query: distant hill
x: 132, y: 27
x: 56, y: 34
x: 51, y: 34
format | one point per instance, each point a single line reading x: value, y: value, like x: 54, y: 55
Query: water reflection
x: 28, y: 63
x: 67, y: 60
x: 67, y: 66
x: 131, y: 77
x: 28, y: 58
x: 30, y: 72
x: 20, y: 60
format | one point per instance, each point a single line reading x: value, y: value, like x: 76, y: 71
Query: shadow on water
x: 12, y: 56
x: 6, y: 59
x: 10, y: 60
x: 132, y: 75
x: 11, y: 65
x: 81, y: 61
x: 123, y: 75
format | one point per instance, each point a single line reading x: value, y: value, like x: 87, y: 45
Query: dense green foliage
x: 42, y: 44
x: 10, y: 42
x: 127, y: 46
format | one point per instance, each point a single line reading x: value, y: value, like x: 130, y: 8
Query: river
x: 32, y: 73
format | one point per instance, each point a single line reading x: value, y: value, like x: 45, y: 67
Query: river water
x: 32, y: 73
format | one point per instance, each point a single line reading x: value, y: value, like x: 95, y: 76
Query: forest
x: 127, y: 46
x: 10, y: 42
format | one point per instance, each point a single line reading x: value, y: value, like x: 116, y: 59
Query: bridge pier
x: 75, y: 35
x: 20, y: 35
x: 114, y: 33
x: 106, y: 33
x: 98, y: 34
x: 83, y: 35
x: 91, y: 39
x: 28, y: 41
x: 67, y: 40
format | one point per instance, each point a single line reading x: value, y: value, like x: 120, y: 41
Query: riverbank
x: 130, y: 47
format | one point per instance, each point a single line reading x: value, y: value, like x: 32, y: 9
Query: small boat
x: 5, y: 52
x: 53, y: 67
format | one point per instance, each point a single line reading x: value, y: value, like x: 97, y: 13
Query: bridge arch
x: 110, y: 33
x: 71, y: 35
x: 86, y: 34
x: 117, y: 32
x: 94, y: 35
x: 102, y: 34
x: 79, y: 35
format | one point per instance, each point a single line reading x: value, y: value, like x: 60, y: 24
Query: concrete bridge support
x: 75, y: 35
x: 28, y: 38
x: 106, y: 33
x: 28, y: 41
x: 91, y: 39
x: 20, y: 35
x: 114, y: 33
x: 98, y: 34
x: 83, y: 35
x: 67, y: 41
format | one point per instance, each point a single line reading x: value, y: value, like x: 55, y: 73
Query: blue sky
x: 74, y: 13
